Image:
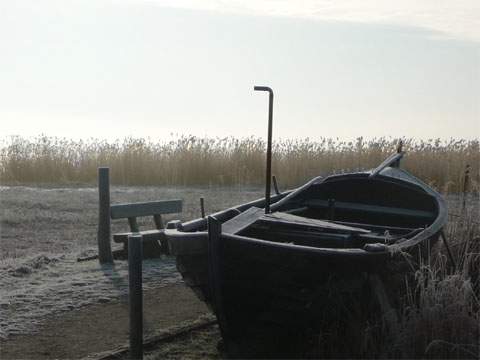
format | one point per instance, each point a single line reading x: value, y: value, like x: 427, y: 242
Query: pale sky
x: 109, y: 69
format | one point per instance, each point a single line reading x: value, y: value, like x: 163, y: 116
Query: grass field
x: 439, y: 317
x: 193, y: 161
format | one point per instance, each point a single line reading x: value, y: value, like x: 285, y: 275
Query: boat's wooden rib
x: 375, y: 227
x: 299, y: 221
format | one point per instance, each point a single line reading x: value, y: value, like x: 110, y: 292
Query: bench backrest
x: 123, y: 211
x: 151, y: 208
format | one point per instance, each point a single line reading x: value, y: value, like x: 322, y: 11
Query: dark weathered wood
x: 122, y: 211
x: 242, y: 221
x: 340, y: 205
x: 174, y: 224
x: 157, y: 219
x: 148, y: 235
x: 331, y: 209
x: 390, y: 161
x: 103, y: 235
x: 399, y: 150
x: 275, y: 185
x: 282, y: 279
x: 215, y: 272
x: 299, y: 221
x: 135, y: 296
x: 202, y: 207
x: 132, y: 222
x: 375, y: 227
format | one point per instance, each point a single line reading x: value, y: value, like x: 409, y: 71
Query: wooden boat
x: 313, y: 262
x: 273, y: 268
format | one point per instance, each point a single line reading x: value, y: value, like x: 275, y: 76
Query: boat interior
x: 344, y: 212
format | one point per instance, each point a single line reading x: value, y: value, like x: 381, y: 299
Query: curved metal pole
x: 269, y: 146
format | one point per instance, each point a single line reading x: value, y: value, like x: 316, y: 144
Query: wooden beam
x: 242, y: 221
x: 390, y: 161
x: 135, y: 296
x: 104, y: 231
x: 215, y: 273
x: 122, y: 211
x: 299, y: 221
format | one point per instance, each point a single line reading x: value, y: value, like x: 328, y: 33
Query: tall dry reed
x: 190, y: 160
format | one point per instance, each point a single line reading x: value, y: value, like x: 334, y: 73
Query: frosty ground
x: 45, y: 230
x: 52, y: 306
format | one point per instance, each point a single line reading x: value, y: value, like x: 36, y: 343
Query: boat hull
x: 272, y: 295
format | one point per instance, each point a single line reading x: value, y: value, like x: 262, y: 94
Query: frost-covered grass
x: 64, y: 220
x: 44, y: 229
x: 441, y: 313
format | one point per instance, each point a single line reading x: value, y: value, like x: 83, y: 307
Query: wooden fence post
x: 135, y: 295
x: 103, y: 236
x: 202, y: 207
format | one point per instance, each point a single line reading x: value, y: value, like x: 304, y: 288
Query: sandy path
x: 103, y: 327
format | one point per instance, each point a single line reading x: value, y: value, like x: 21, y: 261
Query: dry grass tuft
x: 441, y: 312
x: 189, y: 160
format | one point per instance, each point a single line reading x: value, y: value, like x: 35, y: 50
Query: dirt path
x: 102, y: 327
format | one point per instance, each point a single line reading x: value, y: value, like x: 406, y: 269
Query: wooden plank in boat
x: 374, y: 227
x: 289, y: 219
x: 372, y: 208
x: 242, y: 221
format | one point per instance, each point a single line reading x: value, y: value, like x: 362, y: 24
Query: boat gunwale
x: 188, y: 228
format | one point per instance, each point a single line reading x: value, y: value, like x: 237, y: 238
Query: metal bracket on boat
x: 269, y: 145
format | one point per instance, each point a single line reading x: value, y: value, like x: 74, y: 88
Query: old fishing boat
x: 277, y: 267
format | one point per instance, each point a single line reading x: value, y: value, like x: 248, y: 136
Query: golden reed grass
x: 190, y: 160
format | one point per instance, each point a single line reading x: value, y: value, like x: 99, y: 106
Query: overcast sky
x: 108, y: 69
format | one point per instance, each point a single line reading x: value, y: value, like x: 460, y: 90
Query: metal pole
x: 135, y: 295
x: 103, y: 235
x: 269, y: 146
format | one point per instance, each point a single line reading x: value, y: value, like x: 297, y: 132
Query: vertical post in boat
x: 269, y: 146
x: 399, y: 150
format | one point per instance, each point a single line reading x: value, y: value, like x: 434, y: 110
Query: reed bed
x: 190, y: 160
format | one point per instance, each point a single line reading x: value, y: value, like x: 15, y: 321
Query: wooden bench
x: 154, y: 242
